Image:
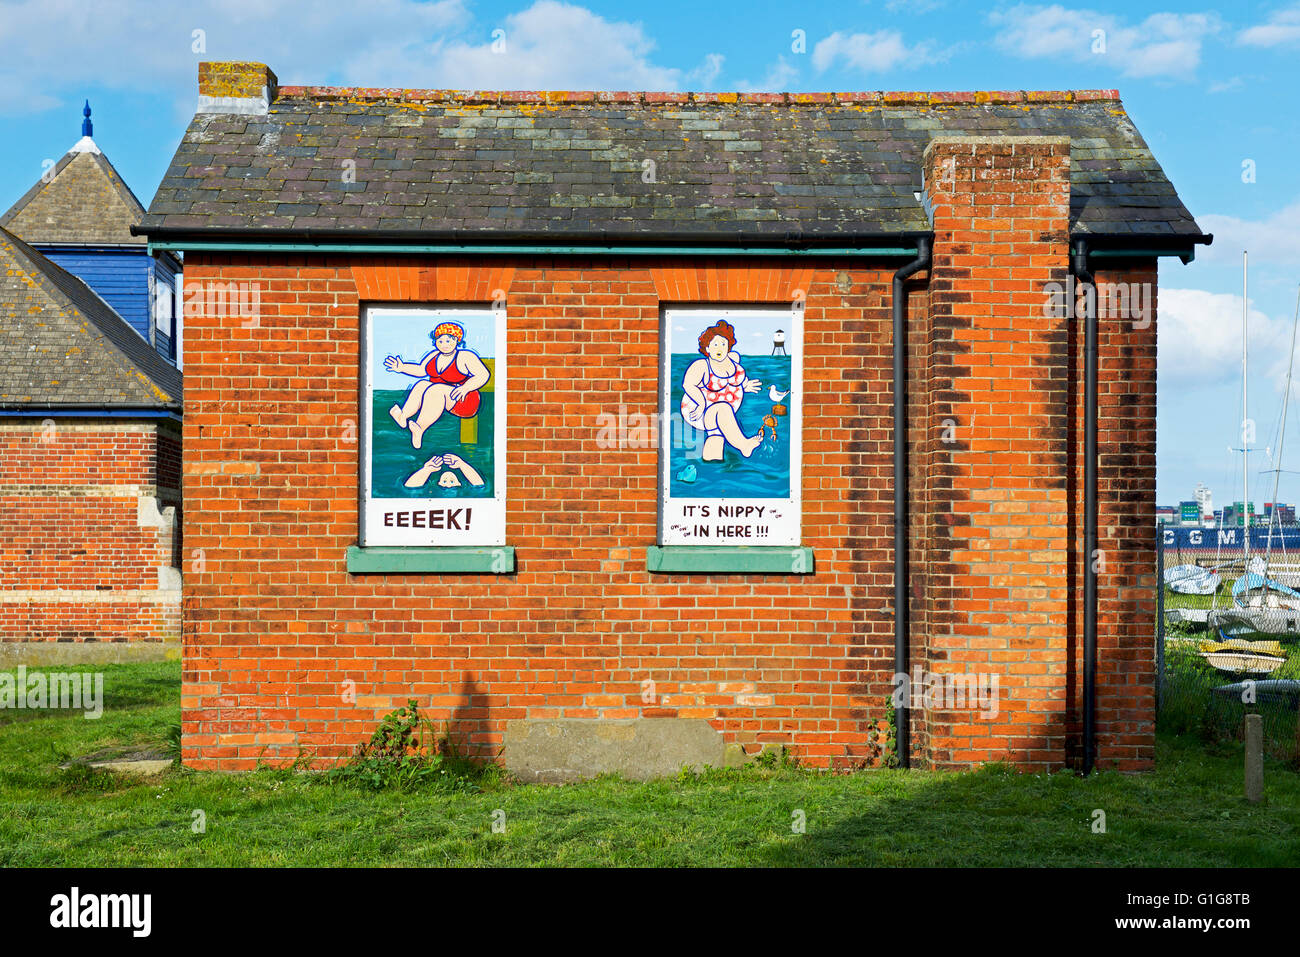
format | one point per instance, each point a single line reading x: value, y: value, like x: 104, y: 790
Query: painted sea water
x: 392, y: 459
x: 766, y: 473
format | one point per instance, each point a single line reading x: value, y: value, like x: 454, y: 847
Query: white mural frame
x: 432, y: 522
x: 679, y: 516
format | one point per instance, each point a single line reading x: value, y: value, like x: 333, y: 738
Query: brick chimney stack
x: 999, y: 486
x: 246, y: 88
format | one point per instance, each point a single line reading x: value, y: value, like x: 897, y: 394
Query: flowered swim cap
x: 453, y: 329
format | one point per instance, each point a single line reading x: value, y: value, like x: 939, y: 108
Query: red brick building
x: 614, y: 291
x: 90, y: 462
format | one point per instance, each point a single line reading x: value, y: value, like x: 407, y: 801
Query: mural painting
x: 731, y: 396
x: 433, y: 410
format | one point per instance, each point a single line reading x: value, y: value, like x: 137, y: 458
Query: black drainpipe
x: 1082, y: 275
x: 901, y: 623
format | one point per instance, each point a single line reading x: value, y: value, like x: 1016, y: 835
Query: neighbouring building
x: 90, y: 426
x: 485, y: 409
x: 1204, y: 500
x: 79, y: 215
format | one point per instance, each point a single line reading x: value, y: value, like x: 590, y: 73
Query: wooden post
x: 1254, y: 758
x: 1297, y: 736
x: 1160, y: 616
x: 469, y: 426
x: 469, y: 430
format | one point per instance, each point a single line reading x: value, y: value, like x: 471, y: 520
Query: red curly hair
x: 719, y: 328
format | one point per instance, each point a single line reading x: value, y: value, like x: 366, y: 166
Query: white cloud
x: 868, y: 52
x: 1228, y: 86
x: 781, y: 76
x: 55, y: 49
x: 914, y: 6
x: 1281, y: 29
x: 1200, y: 338
x: 549, y: 46
x: 703, y: 76
x: 1274, y: 239
x: 1164, y: 44
x: 17, y: 95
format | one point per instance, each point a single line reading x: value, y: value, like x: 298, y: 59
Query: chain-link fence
x: 1208, y: 680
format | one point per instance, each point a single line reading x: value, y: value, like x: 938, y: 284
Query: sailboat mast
x: 1281, y: 440
x: 1245, y: 418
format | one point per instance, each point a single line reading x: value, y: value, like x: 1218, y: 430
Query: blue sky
x: 755, y: 330
x: 1211, y: 89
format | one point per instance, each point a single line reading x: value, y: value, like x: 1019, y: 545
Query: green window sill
x: 731, y: 559
x: 487, y: 560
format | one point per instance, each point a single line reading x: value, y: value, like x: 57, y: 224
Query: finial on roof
x: 86, y: 144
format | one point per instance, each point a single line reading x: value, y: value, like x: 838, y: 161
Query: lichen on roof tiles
x: 63, y: 345
x: 631, y: 163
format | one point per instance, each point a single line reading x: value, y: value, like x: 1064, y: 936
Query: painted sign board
x: 731, y: 413
x: 1234, y: 538
x: 433, y: 426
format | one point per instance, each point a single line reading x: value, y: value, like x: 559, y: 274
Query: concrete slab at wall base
x: 555, y: 751
x: 45, y: 654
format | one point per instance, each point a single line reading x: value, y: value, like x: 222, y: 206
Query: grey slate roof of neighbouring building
x: 556, y: 165
x: 82, y: 200
x: 63, y: 346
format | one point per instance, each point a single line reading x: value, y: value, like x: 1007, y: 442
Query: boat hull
x: 1284, y: 691
x: 1256, y: 622
x: 1191, y: 580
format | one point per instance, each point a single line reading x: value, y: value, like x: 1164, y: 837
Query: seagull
x: 776, y: 396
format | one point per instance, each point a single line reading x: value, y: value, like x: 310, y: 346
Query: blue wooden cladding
x: 121, y: 277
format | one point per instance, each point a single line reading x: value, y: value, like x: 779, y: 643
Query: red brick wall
x: 276, y: 626
x: 76, y: 564
x: 993, y: 442
x: 1126, y: 500
x: 286, y: 651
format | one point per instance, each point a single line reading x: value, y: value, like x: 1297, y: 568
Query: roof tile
x: 820, y: 164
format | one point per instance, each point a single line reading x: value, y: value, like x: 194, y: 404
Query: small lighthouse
x: 778, y: 343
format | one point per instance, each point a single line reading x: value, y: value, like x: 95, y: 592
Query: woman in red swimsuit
x: 713, y: 388
x: 450, y: 379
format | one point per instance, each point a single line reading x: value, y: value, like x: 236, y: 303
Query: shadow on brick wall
x: 470, y: 725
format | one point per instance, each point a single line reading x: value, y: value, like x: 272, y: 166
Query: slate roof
x: 557, y: 165
x: 61, y: 345
x: 85, y: 202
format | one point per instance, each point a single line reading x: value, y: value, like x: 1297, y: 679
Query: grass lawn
x: 1189, y: 703
x: 1223, y: 598
x: 1189, y: 812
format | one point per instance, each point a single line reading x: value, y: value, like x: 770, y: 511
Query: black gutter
x: 789, y: 239
x: 1116, y: 245
x: 901, y: 590
x: 1082, y: 275
x: 1143, y: 246
x: 87, y: 408
x: 1164, y: 240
